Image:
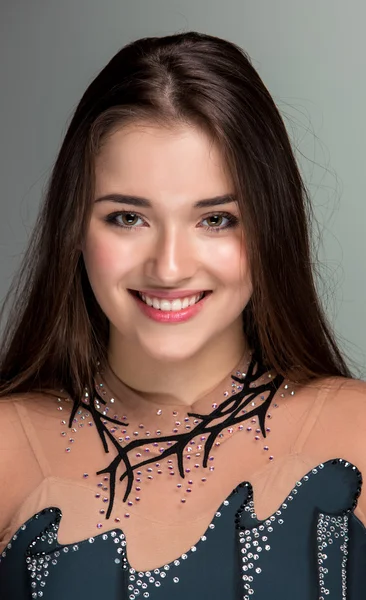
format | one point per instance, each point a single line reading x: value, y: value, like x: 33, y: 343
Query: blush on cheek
x: 105, y: 259
x: 228, y: 261
x: 99, y: 258
x: 110, y: 260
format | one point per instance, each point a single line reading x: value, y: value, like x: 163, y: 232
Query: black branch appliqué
x: 230, y: 411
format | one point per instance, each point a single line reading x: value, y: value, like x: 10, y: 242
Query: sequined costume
x: 278, y: 516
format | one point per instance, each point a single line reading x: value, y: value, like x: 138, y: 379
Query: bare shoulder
x: 335, y: 410
x: 19, y: 416
x: 336, y: 391
x: 343, y: 419
x: 10, y: 424
x: 346, y: 392
x: 342, y: 405
x: 327, y: 398
x: 23, y: 417
x: 15, y: 407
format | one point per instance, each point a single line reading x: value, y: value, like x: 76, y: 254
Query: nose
x: 172, y: 257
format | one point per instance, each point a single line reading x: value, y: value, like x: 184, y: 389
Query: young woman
x: 176, y: 417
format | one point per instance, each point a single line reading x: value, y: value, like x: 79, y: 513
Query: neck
x: 180, y: 383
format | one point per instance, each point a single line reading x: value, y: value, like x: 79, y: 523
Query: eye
x: 131, y: 217
x: 232, y: 221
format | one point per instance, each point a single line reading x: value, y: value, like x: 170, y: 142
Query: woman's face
x: 171, y: 245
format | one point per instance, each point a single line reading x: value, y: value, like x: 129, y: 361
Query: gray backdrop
x: 311, y: 55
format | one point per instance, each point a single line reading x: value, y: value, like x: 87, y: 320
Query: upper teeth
x: 177, y: 304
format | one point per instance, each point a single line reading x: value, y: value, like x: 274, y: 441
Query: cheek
x: 104, y: 259
x: 230, y: 263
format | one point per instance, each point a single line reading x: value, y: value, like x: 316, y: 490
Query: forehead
x: 155, y: 161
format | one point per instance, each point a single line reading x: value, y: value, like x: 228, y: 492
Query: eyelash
x: 233, y: 221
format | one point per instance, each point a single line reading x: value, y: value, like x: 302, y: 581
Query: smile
x: 175, y: 305
x: 174, y: 311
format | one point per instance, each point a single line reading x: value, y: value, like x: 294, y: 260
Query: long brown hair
x: 56, y: 332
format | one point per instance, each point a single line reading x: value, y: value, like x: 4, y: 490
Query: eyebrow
x: 145, y: 203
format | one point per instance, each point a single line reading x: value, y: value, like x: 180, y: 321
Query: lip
x: 170, y: 295
x: 170, y: 316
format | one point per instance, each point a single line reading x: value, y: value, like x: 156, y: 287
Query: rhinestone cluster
x: 332, y: 530
x: 192, y: 454
x: 38, y: 565
x: 253, y: 542
x: 78, y: 423
x: 148, y: 452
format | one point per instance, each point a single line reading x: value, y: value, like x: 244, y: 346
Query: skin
x: 169, y: 248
